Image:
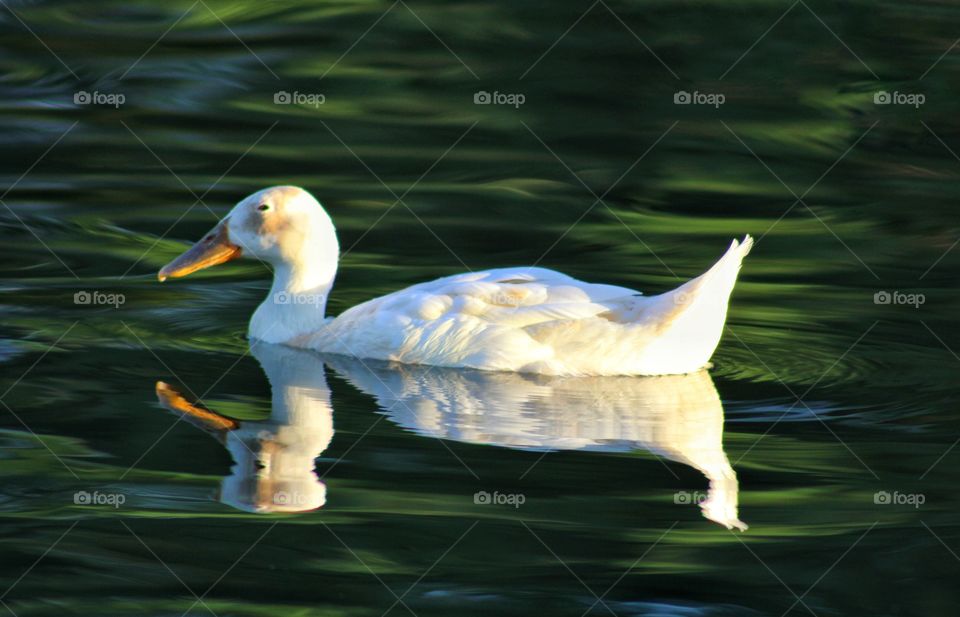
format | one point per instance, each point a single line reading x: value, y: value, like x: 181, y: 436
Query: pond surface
x: 130, y: 127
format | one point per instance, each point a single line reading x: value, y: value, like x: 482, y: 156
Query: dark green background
x: 199, y: 120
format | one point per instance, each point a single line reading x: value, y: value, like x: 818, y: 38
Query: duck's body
x: 513, y: 319
x: 535, y: 320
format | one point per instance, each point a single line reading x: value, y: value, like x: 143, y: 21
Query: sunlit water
x: 337, y: 488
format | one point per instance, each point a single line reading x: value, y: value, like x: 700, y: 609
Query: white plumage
x: 512, y: 319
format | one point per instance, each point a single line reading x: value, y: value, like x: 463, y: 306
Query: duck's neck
x: 297, y: 302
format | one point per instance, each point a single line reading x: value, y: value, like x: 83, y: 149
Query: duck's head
x: 284, y: 226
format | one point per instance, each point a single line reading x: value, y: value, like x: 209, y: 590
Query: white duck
x: 530, y: 320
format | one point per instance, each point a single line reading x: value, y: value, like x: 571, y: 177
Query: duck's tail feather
x: 688, y: 321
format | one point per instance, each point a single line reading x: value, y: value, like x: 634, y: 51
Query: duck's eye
x: 263, y: 207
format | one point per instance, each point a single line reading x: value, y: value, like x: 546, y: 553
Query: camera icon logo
x: 685, y: 498
x: 882, y: 98
x: 482, y: 98
x: 682, y: 98
x: 282, y: 97
x: 281, y: 498
x: 281, y: 297
x: 882, y: 498
x: 82, y: 98
x: 82, y: 297
x: 882, y: 297
x: 481, y: 498
x: 82, y: 498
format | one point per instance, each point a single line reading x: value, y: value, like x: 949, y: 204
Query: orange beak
x: 215, y: 248
x: 201, y: 416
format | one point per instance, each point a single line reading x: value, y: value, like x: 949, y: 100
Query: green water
x: 828, y: 397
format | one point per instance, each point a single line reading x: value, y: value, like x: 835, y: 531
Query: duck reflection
x: 273, y: 467
x: 678, y: 417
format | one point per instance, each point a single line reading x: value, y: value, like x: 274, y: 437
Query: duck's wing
x: 516, y: 297
x: 475, y: 319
